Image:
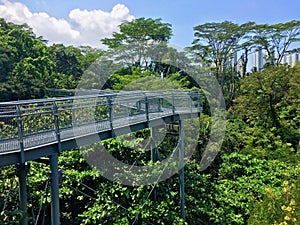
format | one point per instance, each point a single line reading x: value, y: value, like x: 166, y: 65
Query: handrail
x: 28, y: 123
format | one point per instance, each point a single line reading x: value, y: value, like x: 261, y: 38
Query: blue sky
x: 182, y: 14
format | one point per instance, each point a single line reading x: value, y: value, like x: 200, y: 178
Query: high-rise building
x: 291, y: 59
x: 259, y: 59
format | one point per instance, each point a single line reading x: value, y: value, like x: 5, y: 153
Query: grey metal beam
x: 22, y: 172
x: 181, y: 171
x: 11, y: 158
x: 154, y: 156
x: 54, y: 176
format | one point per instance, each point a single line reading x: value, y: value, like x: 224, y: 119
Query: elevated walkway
x: 36, y: 128
x: 33, y: 129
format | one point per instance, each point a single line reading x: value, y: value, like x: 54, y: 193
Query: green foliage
x: 66, y: 61
x: 121, y: 82
x: 26, y: 61
x: 269, y: 107
x: 260, y: 142
x: 9, y: 211
x: 216, y: 45
x: 216, y: 42
x: 263, y: 93
x: 31, y: 69
x: 276, y: 39
x: 141, y: 42
x: 278, y: 208
x: 113, y: 203
x: 241, y: 179
x: 140, y: 31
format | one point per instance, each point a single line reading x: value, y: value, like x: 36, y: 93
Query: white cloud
x: 83, y: 27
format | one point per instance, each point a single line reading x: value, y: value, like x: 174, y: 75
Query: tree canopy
x: 138, y: 39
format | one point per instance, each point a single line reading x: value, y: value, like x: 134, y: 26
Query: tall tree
x: 217, y: 43
x: 276, y: 39
x: 27, y: 66
x: 137, y: 38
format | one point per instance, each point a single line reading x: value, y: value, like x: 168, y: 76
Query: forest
x: 255, y: 177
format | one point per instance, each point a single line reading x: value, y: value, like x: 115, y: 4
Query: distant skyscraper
x: 236, y: 63
x: 259, y: 59
x: 291, y: 59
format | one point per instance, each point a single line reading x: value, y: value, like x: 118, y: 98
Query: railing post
x: 198, y: 100
x: 190, y: 102
x: 20, y: 134
x: 110, y: 105
x: 56, y: 123
x: 173, y: 103
x: 160, y: 100
x: 147, y: 109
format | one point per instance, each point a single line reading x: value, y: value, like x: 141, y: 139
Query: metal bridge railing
x: 30, y: 123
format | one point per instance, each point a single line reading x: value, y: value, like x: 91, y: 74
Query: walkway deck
x: 37, y: 128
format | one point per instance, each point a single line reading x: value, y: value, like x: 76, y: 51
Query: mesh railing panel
x: 39, y: 122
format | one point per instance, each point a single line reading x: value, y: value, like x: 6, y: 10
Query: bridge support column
x: 181, y: 168
x: 22, y: 170
x: 154, y: 153
x: 54, y: 177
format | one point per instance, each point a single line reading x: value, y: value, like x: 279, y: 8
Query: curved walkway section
x: 36, y: 128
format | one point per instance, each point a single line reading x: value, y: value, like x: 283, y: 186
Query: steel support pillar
x: 154, y: 156
x: 22, y: 170
x: 54, y: 177
x: 181, y: 168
